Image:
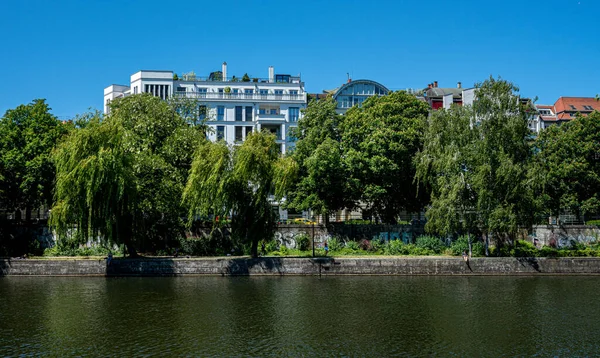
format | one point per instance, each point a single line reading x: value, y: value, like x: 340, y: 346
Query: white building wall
x: 212, y: 94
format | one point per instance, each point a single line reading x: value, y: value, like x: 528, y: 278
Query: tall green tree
x: 121, y: 177
x: 476, y: 160
x: 379, y: 140
x: 567, y: 167
x: 240, y: 183
x: 446, y: 165
x: 28, y: 135
x: 323, y: 183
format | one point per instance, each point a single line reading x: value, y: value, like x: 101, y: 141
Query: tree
x: 28, y: 134
x: 567, y: 167
x: 380, y: 139
x: 238, y: 183
x: 323, y: 183
x: 476, y: 160
x: 121, y: 177
x: 446, y: 165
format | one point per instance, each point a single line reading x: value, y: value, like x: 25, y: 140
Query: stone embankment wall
x: 301, y: 266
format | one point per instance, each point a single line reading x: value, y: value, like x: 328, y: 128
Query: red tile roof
x: 576, y: 104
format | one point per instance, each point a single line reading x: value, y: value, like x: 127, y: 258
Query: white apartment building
x: 232, y: 106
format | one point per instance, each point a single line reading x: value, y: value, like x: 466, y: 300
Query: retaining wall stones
x: 301, y: 266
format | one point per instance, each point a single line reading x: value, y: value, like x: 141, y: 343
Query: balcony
x: 244, y: 97
x: 235, y: 79
x: 270, y: 117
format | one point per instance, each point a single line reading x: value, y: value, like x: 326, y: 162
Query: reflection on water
x: 300, y: 316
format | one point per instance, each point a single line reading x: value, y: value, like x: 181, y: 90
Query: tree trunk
x: 487, y: 245
x: 254, y: 248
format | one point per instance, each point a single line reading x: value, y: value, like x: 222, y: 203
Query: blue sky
x: 68, y: 51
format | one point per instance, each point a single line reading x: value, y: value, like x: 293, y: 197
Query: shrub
x: 431, y: 243
x: 302, y: 242
x: 394, y: 247
x: 524, y: 249
x: 593, y: 222
x: 335, y: 244
x: 462, y: 244
x: 352, y: 246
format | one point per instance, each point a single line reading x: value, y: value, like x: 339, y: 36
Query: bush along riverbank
x: 431, y: 246
x: 423, y: 245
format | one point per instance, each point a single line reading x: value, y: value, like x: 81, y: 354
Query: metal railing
x: 242, y: 96
x: 234, y: 79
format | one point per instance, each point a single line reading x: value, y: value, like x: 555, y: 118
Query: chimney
x: 459, y: 85
x: 271, y: 74
x: 434, y: 84
x: 224, y: 70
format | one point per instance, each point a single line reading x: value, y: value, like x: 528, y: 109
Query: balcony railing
x: 243, y: 96
x: 193, y: 78
x: 270, y: 117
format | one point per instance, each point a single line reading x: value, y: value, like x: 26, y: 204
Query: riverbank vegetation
x: 140, y: 177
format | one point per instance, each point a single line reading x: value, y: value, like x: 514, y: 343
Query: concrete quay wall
x: 300, y: 266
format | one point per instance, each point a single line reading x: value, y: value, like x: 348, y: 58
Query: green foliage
x: 379, y: 141
x: 335, y: 244
x: 476, y: 160
x: 28, y: 134
x: 322, y: 183
x: 431, y: 243
x: 245, y: 78
x: 461, y: 245
x: 238, y: 183
x: 119, y: 179
x: 352, y: 245
x: 303, y: 242
x: 397, y: 247
x: 567, y: 170
x: 76, y: 250
x: 593, y: 222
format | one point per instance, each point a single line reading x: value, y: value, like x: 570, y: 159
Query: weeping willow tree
x: 241, y: 183
x: 120, y: 178
x: 95, y: 188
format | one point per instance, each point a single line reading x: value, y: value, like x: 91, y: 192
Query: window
x: 181, y: 89
x: 220, y: 132
x: 294, y: 113
x: 282, y: 78
x: 135, y: 90
x: 278, y: 94
x: 239, y: 134
x: 248, y: 92
x: 273, y: 111
x: 201, y: 92
x: 263, y: 93
x: 238, y: 113
x: 220, y: 113
x: 236, y: 91
x: 202, y: 112
x: 248, y: 131
x: 249, y: 114
x: 589, y: 108
x: 293, y: 94
x: 573, y: 107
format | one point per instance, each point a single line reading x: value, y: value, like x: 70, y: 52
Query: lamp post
x: 313, y: 235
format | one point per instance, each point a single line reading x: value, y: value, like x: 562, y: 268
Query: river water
x: 300, y: 316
